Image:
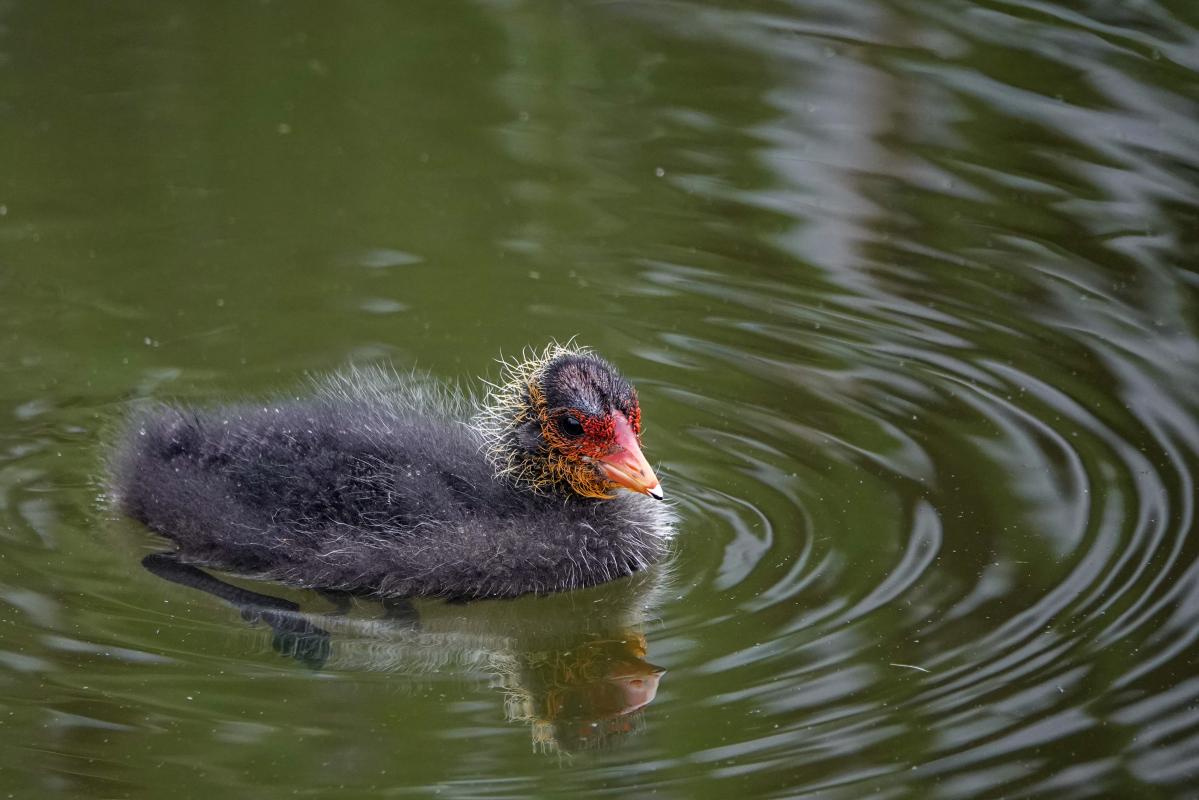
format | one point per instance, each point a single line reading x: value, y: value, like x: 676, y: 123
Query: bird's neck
x: 509, y: 423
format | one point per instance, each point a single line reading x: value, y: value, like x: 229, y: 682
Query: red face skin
x: 606, y: 456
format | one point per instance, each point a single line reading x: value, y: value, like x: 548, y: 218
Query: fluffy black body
x: 376, y: 485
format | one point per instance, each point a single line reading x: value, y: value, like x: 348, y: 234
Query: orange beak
x: 639, y: 688
x: 625, y: 466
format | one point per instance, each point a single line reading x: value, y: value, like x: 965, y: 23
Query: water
x: 908, y: 289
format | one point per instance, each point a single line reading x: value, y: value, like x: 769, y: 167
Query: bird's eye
x: 570, y: 425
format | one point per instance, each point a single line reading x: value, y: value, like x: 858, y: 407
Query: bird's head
x: 565, y: 420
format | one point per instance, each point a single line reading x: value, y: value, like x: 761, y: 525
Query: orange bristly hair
x: 517, y: 399
x: 565, y: 458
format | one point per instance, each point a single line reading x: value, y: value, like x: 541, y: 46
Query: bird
x: 378, y: 482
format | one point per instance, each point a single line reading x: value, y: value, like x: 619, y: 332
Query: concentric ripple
x: 969, y: 564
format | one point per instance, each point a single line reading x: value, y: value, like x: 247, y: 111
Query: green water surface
x: 908, y: 291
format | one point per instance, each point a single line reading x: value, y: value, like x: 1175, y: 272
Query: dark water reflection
x: 908, y: 289
x: 578, y: 678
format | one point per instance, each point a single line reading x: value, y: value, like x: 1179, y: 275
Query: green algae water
x: 908, y: 289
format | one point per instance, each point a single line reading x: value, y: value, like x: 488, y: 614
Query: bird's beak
x: 626, y: 467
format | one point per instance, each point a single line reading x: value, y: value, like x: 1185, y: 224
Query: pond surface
x: 909, y: 291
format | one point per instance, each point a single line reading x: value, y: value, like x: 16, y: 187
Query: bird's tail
x: 160, y: 474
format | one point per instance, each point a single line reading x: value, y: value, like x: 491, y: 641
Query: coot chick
x: 387, y: 484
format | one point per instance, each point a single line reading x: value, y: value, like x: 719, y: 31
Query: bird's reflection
x: 572, y: 667
x: 578, y: 698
